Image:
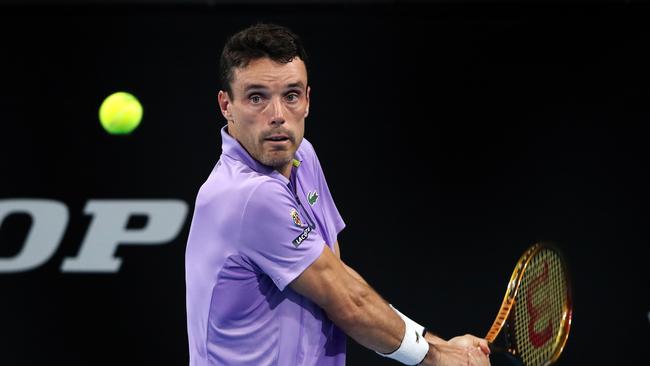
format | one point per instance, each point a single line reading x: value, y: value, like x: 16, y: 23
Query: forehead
x: 266, y: 72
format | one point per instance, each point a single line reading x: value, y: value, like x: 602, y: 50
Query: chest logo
x: 296, y: 218
x: 312, y: 197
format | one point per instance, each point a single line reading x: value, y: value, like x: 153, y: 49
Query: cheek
x: 254, y: 136
x: 248, y: 125
x: 299, y: 111
x: 300, y: 133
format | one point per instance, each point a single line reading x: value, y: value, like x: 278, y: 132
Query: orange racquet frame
x: 510, y: 298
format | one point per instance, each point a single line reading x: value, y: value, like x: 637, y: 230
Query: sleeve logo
x: 306, y: 228
x: 305, y: 234
x: 296, y: 218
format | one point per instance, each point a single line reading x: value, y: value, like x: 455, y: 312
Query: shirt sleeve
x: 276, y: 236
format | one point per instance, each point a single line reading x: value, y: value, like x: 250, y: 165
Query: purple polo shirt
x: 253, y: 232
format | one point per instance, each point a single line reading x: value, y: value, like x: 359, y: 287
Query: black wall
x: 452, y: 136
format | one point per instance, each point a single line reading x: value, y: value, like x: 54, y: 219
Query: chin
x: 276, y: 161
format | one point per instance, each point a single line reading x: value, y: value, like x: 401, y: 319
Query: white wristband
x: 406, y: 319
x: 412, y: 350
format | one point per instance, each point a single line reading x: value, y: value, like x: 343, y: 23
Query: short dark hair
x: 258, y: 41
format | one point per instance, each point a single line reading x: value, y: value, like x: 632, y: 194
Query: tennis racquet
x: 535, y: 314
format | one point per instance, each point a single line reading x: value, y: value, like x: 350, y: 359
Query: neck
x: 286, y: 170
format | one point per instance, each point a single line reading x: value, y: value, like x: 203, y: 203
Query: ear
x: 224, y: 104
x: 307, y: 109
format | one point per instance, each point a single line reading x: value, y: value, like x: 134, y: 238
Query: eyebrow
x: 254, y: 86
x: 249, y: 87
x: 298, y: 85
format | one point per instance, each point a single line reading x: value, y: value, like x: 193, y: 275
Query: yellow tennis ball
x: 120, y: 113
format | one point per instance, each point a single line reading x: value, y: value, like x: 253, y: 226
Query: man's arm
x: 351, y: 271
x: 363, y: 315
x: 430, y: 337
x: 350, y: 303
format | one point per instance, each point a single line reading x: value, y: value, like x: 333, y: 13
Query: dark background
x: 453, y: 136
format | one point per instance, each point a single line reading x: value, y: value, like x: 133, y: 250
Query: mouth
x: 278, y: 138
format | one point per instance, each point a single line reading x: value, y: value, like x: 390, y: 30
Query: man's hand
x: 459, y: 351
x: 434, y: 339
x: 469, y: 340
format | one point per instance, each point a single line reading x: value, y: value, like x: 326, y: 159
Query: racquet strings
x: 541, y: 310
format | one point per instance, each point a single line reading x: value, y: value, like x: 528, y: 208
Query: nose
x: 277, y: 112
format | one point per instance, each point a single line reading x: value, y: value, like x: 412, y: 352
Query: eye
x: 255, y: 98
x: 292, y: 97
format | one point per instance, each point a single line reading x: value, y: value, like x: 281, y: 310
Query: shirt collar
x: 233, y: 149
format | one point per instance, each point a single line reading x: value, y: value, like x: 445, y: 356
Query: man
x: 265, y: 282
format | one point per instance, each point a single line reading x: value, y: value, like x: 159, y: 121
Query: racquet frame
x: 504, y: 315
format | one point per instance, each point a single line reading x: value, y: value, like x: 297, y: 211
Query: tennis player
x: 265, y: 282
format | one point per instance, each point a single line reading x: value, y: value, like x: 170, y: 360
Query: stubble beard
x: 277, y: 159
x: 276, y: 163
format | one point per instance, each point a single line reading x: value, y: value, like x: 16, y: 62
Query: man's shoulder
x: 307, y: 153
x: 234, y: 185
x: 306, y: 147
x: 263, y: 197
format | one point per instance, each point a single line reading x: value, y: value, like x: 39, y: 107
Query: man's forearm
x: 430, y: 337
x: 358, y: 309
x: 371, y: 322
x: 354, y: 274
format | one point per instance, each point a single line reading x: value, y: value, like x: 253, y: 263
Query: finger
x: 479, y: 357
x: 475, y: 357
x: 470, y: 358
x: 482, y: 344
x: 485, y: 347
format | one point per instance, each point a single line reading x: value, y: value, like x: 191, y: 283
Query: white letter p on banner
x: 108, y: 230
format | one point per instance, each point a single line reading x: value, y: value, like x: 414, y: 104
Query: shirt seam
x: 207, y: 325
